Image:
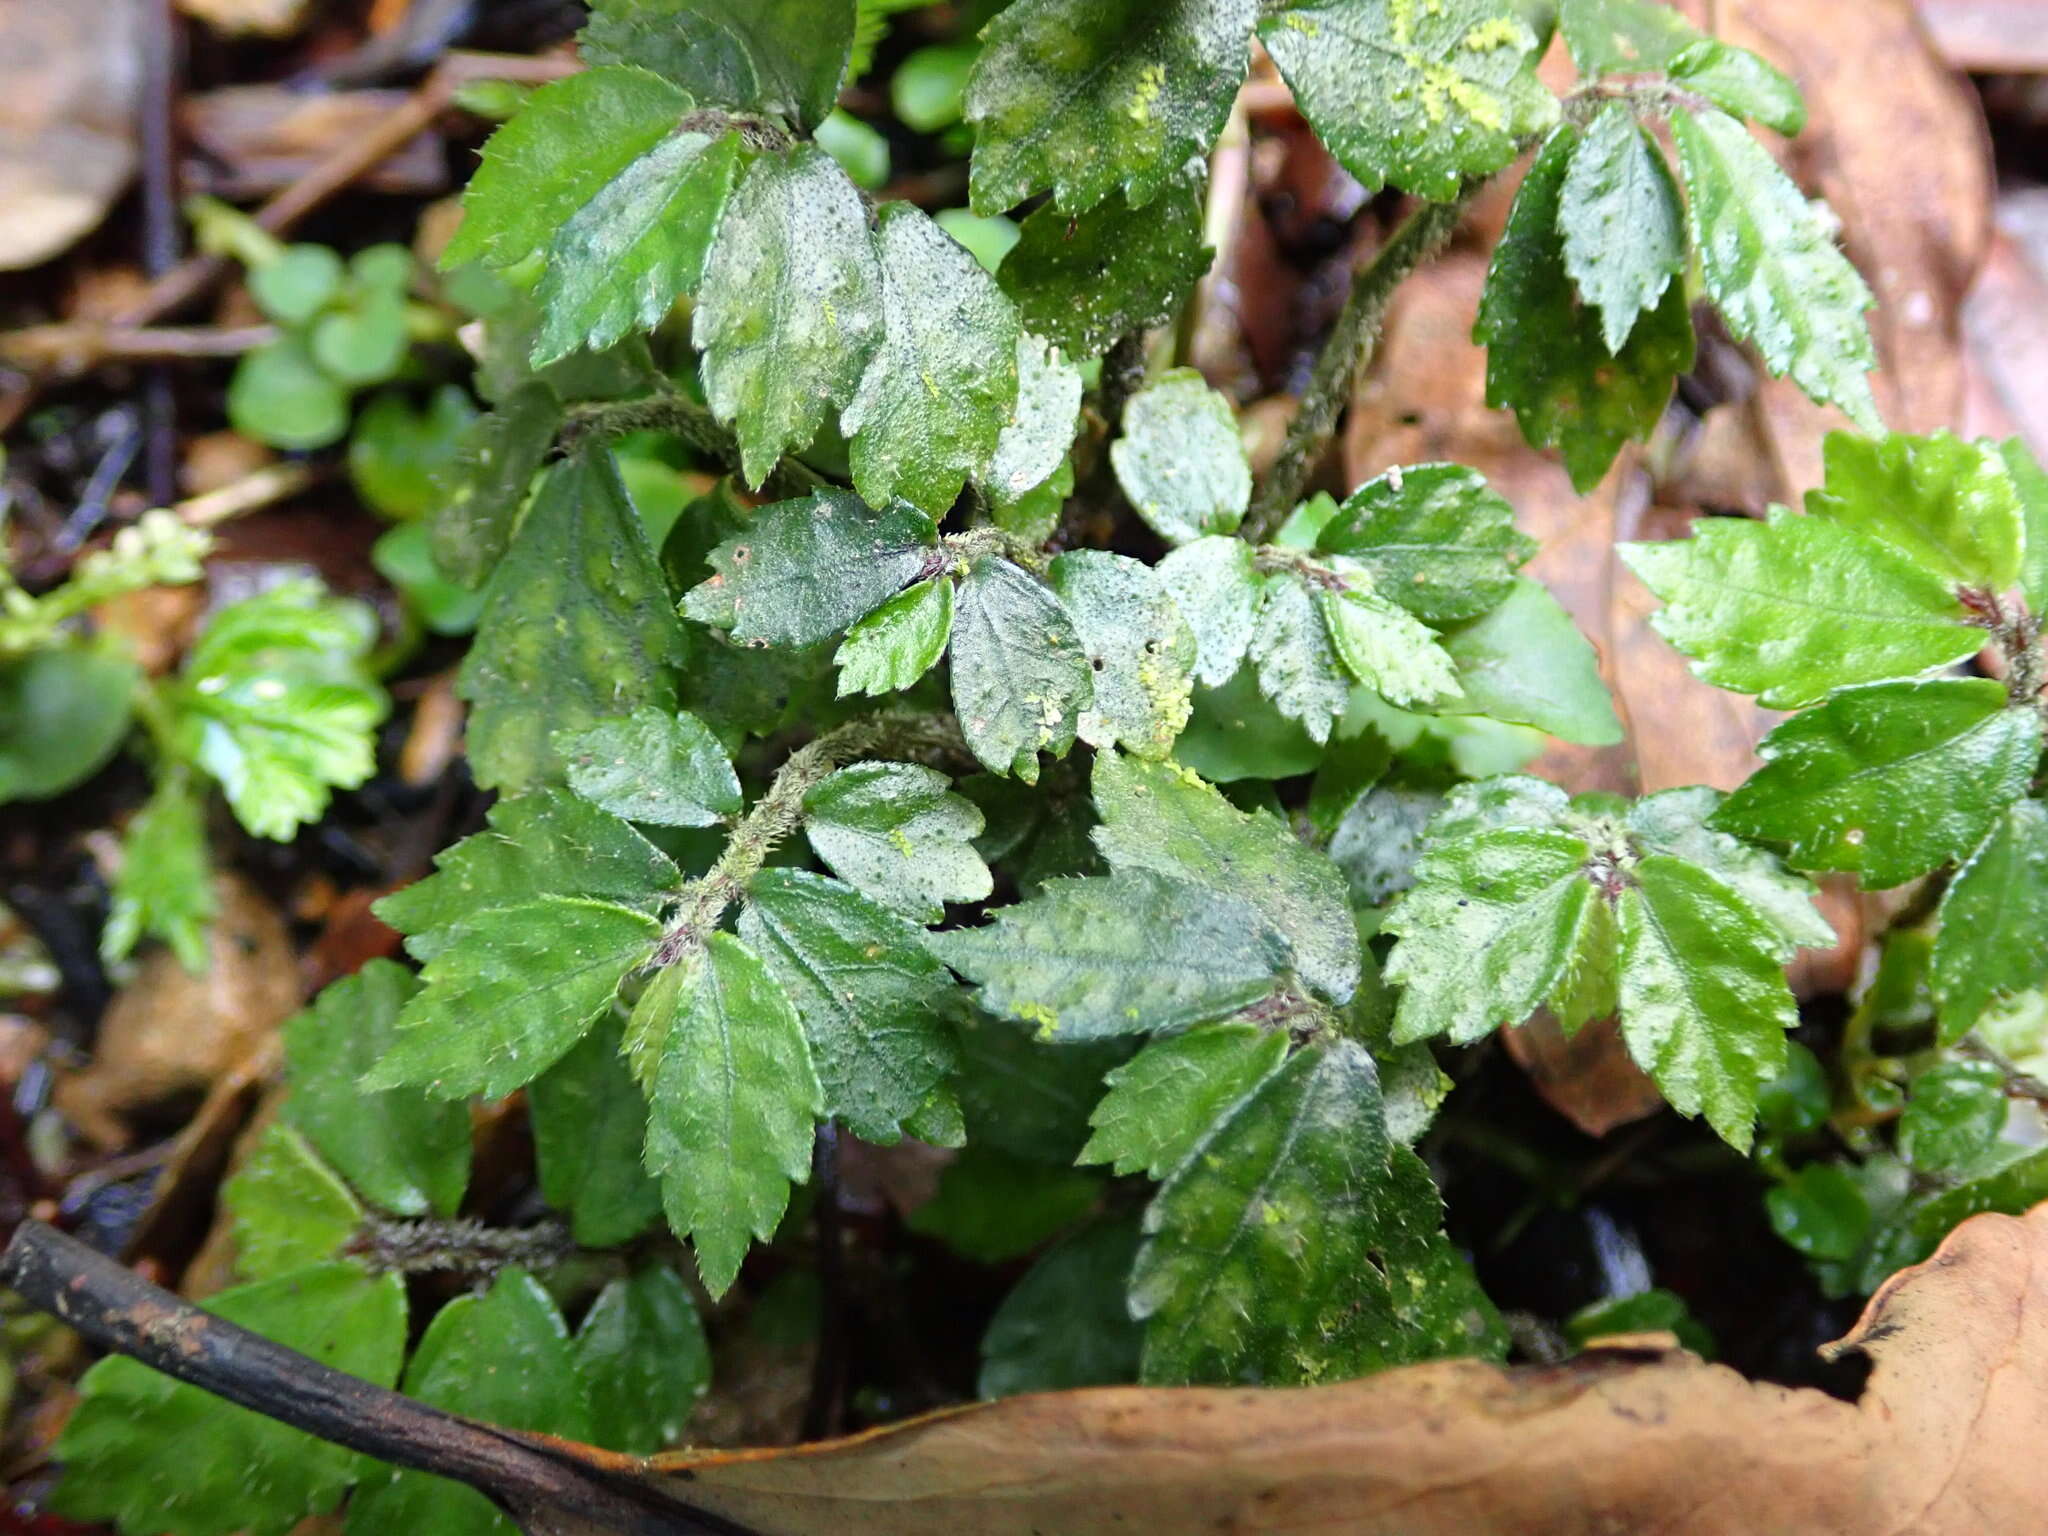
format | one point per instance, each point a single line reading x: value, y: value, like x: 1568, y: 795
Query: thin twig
x: 253, y: 492
x: 1347, y: 351
x: 73, y: 346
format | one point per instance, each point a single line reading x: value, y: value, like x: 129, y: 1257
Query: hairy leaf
x: 1140, y: 648
x: 1993, y: 941
x: 1948, y: 505
x: 1434, y: 537
x: 1385, y: 647
x: 653, y: 766
x: 482, y: 494
x: 1031, y: 450
x: 898, y: 642
x: 1020, y: 680
x: 1297, y: 664
x: 1164, y: 1100
x: 897, y: 833
x: 1180, y: 459
x: 589, y: 1119
x: 1082, y: 280
x: 1623, y: 228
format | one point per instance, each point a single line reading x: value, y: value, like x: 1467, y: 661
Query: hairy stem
x: 430, y: 1244
x: 1347, y: 351
x: 693, y: 423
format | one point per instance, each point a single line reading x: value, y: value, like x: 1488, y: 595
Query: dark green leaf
x: 1065, y: 1324
x: 1180, y: 459
x: 1890, y: 780
x: 653, y: 766
x: 992, y: 1207
x: 164, y: 886
x: 1993, y: 941
x: 1527, y: 662
x: 1623, y: 228
x: 63, y: 714
x: 1435, y: 538
x: 589, y: 1119
x: 1795, y: 1103
x: 1026, y: 1096
x: 2011, y: 1179
x: 1164, y: 1100
x: 290, y: 1209
x: 897, y: 833
x: 1737, y: 81
x: 643, y: 1359
x: 1955, y: 1113
x: 898, y: 642
x: 1674, y: 821
x: 1083, y: 280
x: 1820, y: 1211
x: 483, y: 492
x: 1140, y: 648
x: 1020, y: 679
x: 1948, y: 505
x: 781, y: 56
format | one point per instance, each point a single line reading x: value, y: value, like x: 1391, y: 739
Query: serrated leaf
x: 1948, y: 505
x: 483, y: 492
x: 1297, y: 663
x: 898, y: 642
x: 1488, y: 931
x: 1180, y: 459
x: 1160, y: 818
x: 782, y: 56
x: 1434, y: 537
x: 653, y: 766
x: 1297, y: 1245
x: 163, y: 888
x: 503, y: 1357
x: 867, y: 990
x: 1954, y: 1116
x: 1890, y: 780
x: 1794, y: 607
x: 408, y: 1153
x: 942, y: 381
x: 1065, y: 1324
x: 1020, y: 680
x: 576, y: 628
x: 802, y: 571
x: 1081, y: 280
x: 1768, y: 259
x: 1118, y: 955
x: 1615, y: 36
x: 1420, y: 95
x: 1031, y: 450
x: 1619, y: 215
x: 1086, y: 96
x: 1545, y: 356
x: 1704, y: 1001
x: 1527, y: 662
x: 1385, y: 647
x: 1217, y: 589
x: 897, y: 833
x: 1140, y: 648
x: 589, y: 1119
x: 1165, y: 1100
x: 791, y: 305
x: 644, y: 1361
x: 992, y: 1207
x: 290, y: 1209
x: 516, y: 988
x: 733, y: 1098
x: 547, y: 844
x: 1674, y: 821
x: 152, y: 1454
x: 1738, y: 82
x: 621, y: 260
x: 2031, y: 482
x: 1992, y: 944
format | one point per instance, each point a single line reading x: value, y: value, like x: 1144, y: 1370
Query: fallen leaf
x: 69, y: 78
x: 252, y: 140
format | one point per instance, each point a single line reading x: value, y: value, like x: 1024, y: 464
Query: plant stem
x: 430, y: 1244
x: 1347, y: 351
x: 693, y: 423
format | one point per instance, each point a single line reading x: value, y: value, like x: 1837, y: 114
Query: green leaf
x: 406, y: 1152
x: 2010, y: 1179
x: 1738, y: 82
x: 1821, y: 1211
x: 1623, y: 228
x: 404, y: 557
x: 1298, y: 665
x: 619, y: 261
x: 1796, y: 1102
x: 1164, y: 1100
x: 1020, y: 680
x: 1421, y: 95
x: 63, y: 714
x: 1955, y: 1113
x: 1609, y: 37
x: 279, y: 395
x: 1794, y: 607
x: 733, y: 1098
x: 1768, y: 259
x: 1527, y: 662
x: 942, y: 382
x: 1435, y: 539
x: 791, y: 305
x: 1546, y: 359
x: 1065, y: 1323
x: 1031, y: 450
x: 1162, y: 819
x: 1217, y: 589
x: 1117, y: 955
x: 1140, y: 648
x: 781, y: 56
x: 503, y: 1357
x: 1993, y: 941
x: 1298, y: 1246
x: 2031, y: 482
x: 576, y: 628
x: 898, y: 642
x: 1086, y: 96
x: 1180, y: 459
x: 644, y: 1361
x: 300, y: 282
x: 1083, y: 280
x: 365, y: 342
x: 1674, y: 821
x: 992, y: 1207
x: 653, y: 766
x: 398, y: 455
x: 151, y: 1454
x: 1236, y: 733
x: 1890, y: 780
x: 802, y: 571
x: 867, y: 990
x: 164, y: 887
x: 290, y: 1209
x: 1704, y: 1001
x: 589, y: 1119
x: 1379, y: 839
x: 898, y: 834
x: 484, y: 491
x: 516, y: 988
x: 545, y: 844
x: 1384, y: 646
x: 929, y: 88
x: 1491, y: 927
x: 1948, y: 505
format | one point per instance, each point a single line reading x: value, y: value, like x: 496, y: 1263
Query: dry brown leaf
x: 1944, y: 1439
x: 257, y: 139
x: 69, y: 77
